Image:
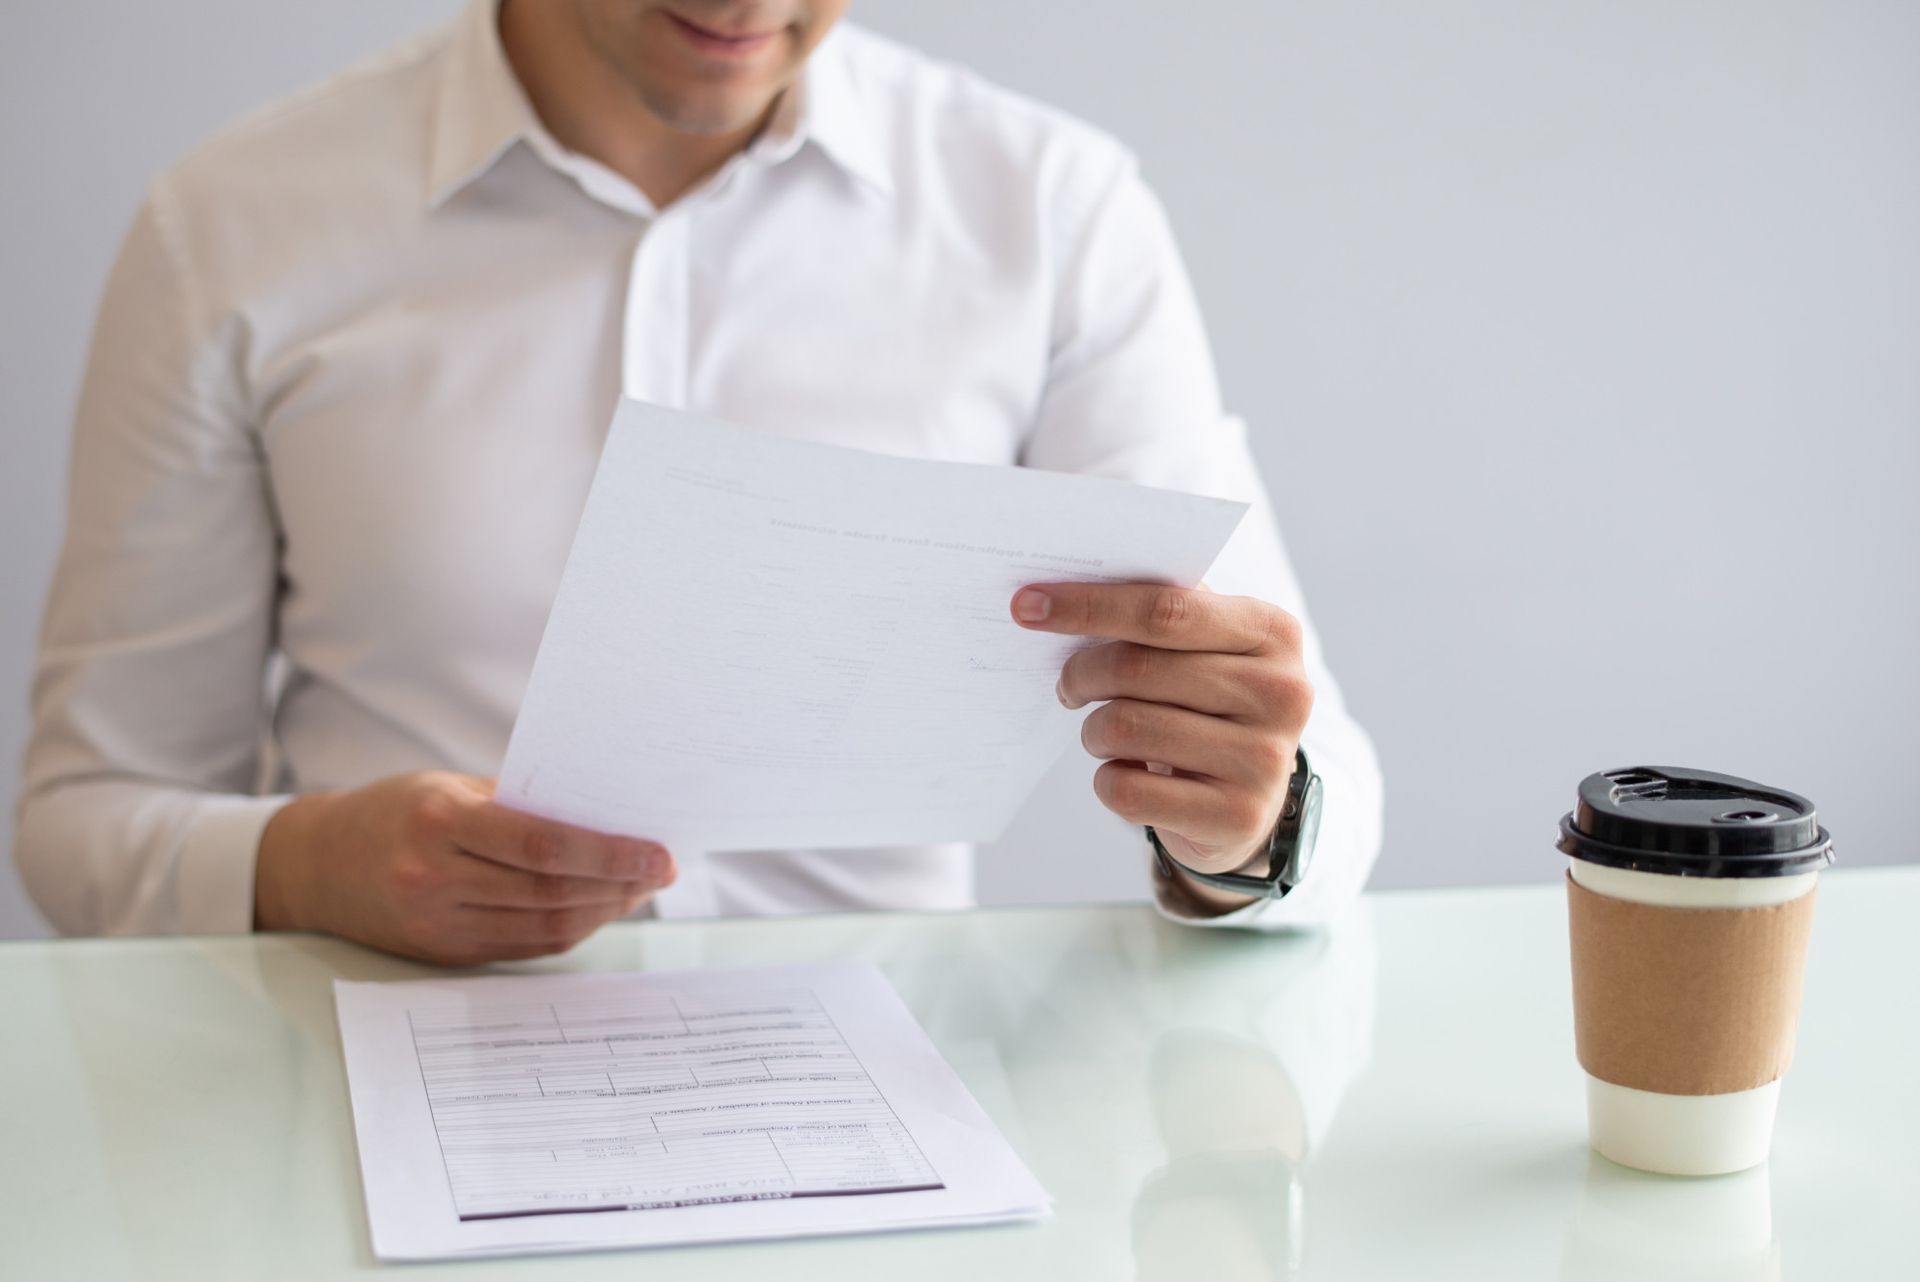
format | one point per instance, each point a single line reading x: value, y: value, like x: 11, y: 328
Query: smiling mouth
x: 722, y: 43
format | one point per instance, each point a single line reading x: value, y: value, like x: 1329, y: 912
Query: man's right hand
x: 430, y: 866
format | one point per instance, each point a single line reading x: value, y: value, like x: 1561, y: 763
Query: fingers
x: 1160, y: 615
x: 1200, y: 809
x: 544, y: 929
x: 1131, y: 730
x: 1222, y: 685
x: 484, y: 883
x: 532, y: 844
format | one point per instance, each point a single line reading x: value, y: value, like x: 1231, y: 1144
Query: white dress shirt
x: 348, y: 387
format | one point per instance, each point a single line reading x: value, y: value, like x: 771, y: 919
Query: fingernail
x: 1032, y: 605
x: 1060, y: 692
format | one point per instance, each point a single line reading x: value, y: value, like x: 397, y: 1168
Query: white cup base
x: 1681, y: 1134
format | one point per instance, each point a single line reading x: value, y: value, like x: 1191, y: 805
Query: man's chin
x: 707, y: 111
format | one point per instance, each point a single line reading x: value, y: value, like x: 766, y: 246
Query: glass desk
x: 1397, y: 1098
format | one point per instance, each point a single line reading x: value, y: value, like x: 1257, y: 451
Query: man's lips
x: 724, y: 44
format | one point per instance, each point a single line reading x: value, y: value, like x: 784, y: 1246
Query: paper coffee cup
x: 1690, y: 901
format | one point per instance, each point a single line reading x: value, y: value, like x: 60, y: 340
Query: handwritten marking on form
x: 566, y: 1112
x: 767, y: 642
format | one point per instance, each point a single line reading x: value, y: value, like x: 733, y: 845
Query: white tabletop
x: 1395, y: 1099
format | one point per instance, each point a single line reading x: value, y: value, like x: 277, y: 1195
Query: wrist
x: 1274, y: 868
x: 1180, y: 883
x: 1252, y: 859
x: 282, y: 882
x: 1193, y: 897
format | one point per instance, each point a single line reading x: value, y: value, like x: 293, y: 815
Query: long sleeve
x: 148, y: 698
x: 1132, y: 393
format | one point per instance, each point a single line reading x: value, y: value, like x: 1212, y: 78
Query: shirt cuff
x: 214, y: 878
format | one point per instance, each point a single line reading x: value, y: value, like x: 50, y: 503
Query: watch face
x: 1309, y: 832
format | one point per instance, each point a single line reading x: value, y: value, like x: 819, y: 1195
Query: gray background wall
x: 1581, y: 344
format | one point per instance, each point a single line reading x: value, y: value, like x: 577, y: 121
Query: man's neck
x: 589, y: 109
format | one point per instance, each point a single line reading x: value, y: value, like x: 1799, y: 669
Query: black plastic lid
x: 1693, y: 823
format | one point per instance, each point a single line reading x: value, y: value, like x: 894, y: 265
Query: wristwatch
x: 1289, y: 848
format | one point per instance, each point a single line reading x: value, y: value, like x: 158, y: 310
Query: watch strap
x: 1266, y: 876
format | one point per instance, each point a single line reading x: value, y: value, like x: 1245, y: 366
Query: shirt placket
x: 654, y: 355
x: 654, y: 351
x: 656, y: 358
x: 655, y: 345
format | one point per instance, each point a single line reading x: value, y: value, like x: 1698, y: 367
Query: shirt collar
x: 481, y: 111
x: 833, y: 115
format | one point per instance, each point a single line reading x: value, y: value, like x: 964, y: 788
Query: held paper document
x: 573, y: 1112
x: 767, y: 642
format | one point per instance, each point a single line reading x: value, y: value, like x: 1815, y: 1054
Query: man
x: 347, y: 391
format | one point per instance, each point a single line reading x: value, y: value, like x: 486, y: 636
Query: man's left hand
x: 1211, y: 690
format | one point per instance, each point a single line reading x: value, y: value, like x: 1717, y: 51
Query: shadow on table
x: 1653, y: 1228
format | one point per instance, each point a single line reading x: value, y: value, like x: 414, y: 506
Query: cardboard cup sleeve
x: 1685, y: 1001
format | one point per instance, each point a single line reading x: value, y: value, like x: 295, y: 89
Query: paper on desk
x: 761, y: 641
x: 519, y: 1114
